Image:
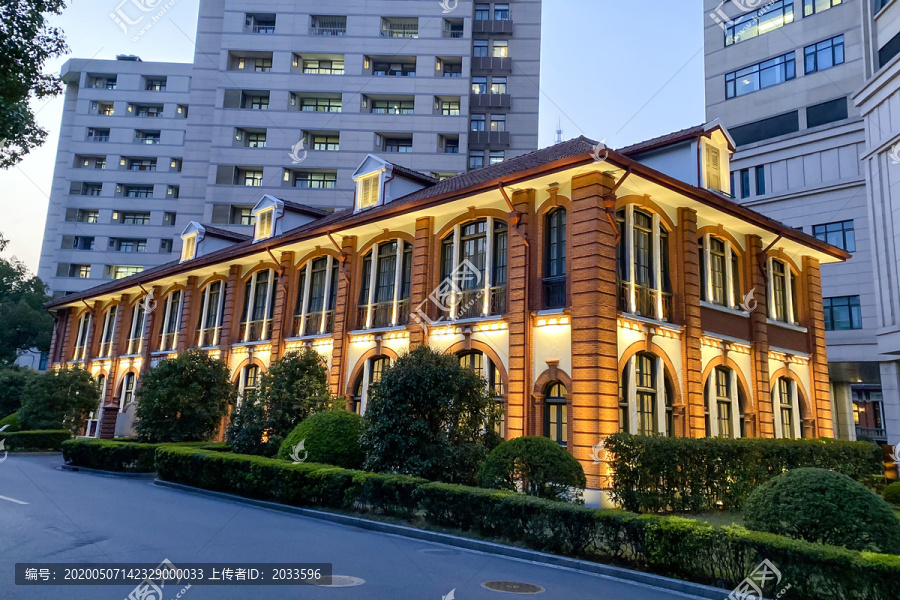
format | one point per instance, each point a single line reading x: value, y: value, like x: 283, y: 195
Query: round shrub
x: 536, y: 465
x: 13, y: 422
x: 891, y: 492
x: 824, y: 507
x: 330, y: 437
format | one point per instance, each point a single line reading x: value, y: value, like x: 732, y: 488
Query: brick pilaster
x: 821, y: 420
x: 187, y: 324
x: 343, y: 315
x: 420, y: 287
x: 689, y: 316
x: 151, y: 319
x: 595, y: 377
x: 763, y: 417
x: 518, y: 396
x: 281, y: 314
x: 231, y: 312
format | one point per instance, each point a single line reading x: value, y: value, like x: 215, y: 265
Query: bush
x: 12, y: 385
x: 430, y: 417
x: 669, y: 546
x: 330, y: 437
x: 12, y: 421
x: 659, y: 474
x: 59, y: 400
x: 183, y: 399
x: 294, y: 387
x: 123, y: 457
x: 536, y: 465
x: 891, y: 492
x: 824, y: 507
x: 35, y: 441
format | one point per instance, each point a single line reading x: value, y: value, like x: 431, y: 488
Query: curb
x: 65, y: 467
x: 694, y: 590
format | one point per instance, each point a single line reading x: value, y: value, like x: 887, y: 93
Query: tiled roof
x: 426, y: 179
x: 663, y: 140
x: 225, y: 234
x: 306, y: 209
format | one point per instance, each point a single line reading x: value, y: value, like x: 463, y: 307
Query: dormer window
x: 715, y: 161
x: 264, y: 223
x: 189, y: 247
x: 368, y: 192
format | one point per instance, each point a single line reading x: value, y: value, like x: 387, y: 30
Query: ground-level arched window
x: 373, y: 369
x: 484, y: 367
x: 786, y: 400
x: 724, y: 404
x: 93, y: 424
x: 556, y: 419
x: 126, y: 391
x: 645, y: 397
x: 248, y: 382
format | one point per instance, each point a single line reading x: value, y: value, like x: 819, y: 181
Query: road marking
x: 12, y: 500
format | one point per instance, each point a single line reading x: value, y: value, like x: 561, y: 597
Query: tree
x: 24, y: 324
x: 294, y: 387
x: 59, y: 400
x: 430, y: 417
x: 184, y: 399
x: 536, y: 465
x: 12, y: 385
x: 26, y: 43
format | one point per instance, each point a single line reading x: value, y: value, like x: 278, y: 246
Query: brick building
x: 595, y: 290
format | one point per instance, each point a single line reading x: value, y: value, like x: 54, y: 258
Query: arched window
x: 109, y: 328
x: 556, y: 420
x: 126, y: 391
x: 720, y: 275
x: 782, y: 292
x: 473, y: 268
x: 136, y: 333
x: 484, y: 367
x: 209, y: 323
x: 373, y: 369
x: 645, y: 401
x: 642, y: 257
x: 786, y: 399
x: 724, y: 404
x: 171, y: 323
x: 316, y: 297
x: 248, y: 382
x: 81, y: 335
x: 387, y: 278
x: 555, y: 259
x: 259, y: 306
x: 93, y: 424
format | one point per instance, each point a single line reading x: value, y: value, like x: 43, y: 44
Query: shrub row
x: 303, y: 484
x: 121, y: 456
x: 659, y: 474
x: 35, y: 441
x: 669, y: 546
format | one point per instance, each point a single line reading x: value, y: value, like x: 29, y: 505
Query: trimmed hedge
x: 892, y: 493
x: 669, y: 546
x: 35, y: 441
x: 331, y: 437
x: 122, y: 457
x: 12, y: 421
x: 660, y: 474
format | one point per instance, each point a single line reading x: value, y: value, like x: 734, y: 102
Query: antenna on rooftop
x: 559, y: 132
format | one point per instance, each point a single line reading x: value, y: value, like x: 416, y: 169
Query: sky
x: 615, y: 71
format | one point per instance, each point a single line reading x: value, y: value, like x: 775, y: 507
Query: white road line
x: 13, y: 500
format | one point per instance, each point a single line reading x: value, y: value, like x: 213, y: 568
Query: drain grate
x: 340, y: 581
x: 512, y: 587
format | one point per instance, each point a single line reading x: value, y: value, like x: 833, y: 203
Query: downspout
x: 609, y: 204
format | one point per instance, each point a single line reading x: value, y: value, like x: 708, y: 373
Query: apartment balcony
x: 493, y: 26
x: 490, y: 101
x: 491, y: 64
x: 208, y: 337
x: 486, y: 139
x: 333, y: 31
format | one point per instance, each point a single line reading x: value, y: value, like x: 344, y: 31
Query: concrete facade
x: 799, y: 141
x: 437, y: 89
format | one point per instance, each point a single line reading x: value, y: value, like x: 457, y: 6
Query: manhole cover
x: 441, y: 551
x: 512, y: 587
x: 339, y: 581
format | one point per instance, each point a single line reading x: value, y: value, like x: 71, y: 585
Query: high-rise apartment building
x: 781, y: 78
x: 287, y: 99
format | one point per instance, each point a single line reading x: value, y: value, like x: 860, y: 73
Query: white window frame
x: 134, y: 334
x: 109, y: 329
x: 265, y: 223
x: 631, y: 395
x: 790, y: 317
x: 795, y: 408
x: 368, y: 192
x: 269, y: 309
x: 189, y: 247
x: 204, y: 313
x: 165, y: 324
x: 82, y: 335
x: 657, y: 262
x: 731, y: 300
x: 126, y: 396
x: 712, y: 402
x: 488, y: 275
x: 373, y: 282
x: 307, y: 287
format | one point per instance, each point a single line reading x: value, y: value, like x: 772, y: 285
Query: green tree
x: 24, y: 324
x: 184, y: 399
x: 430, y: 417
x: 536, y: 465
x: 59, y: 400
x: 294, y: 387
x: 26, y: 43
x: 12, y: 385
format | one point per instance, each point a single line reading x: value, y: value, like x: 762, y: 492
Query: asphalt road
x: 50, y: 515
